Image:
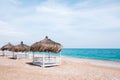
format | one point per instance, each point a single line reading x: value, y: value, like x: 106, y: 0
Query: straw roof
x: 7, y: 47
x: 46, y: 45
x: 21, y: 48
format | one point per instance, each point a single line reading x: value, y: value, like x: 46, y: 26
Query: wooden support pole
x: 60, y: 58
x: 33, y: 57
x: 43, y: 63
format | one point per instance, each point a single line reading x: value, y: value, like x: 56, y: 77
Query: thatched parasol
x: 21, y: 48
x: 46, y: 45
x: 7, y: 47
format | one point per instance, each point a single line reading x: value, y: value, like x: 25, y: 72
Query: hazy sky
x: 73, y: 23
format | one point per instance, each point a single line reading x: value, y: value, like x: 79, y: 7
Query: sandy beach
x: 70, y: 69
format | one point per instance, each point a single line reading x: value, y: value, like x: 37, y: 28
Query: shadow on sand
x: 12, y: 58
x: 31, y: 63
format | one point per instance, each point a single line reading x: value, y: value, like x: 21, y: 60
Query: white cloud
x: 60, y: 10
x: 81, y: 15
x: 82, y: 23
x: 14, y: 1
x: 104, y: 17
x: 7, y: 30
x: 57, y: 14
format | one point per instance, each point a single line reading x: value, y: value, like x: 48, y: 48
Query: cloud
x: 73, y: 18
x: 76, y: 16
x: 14, y: 1
x: 7, y: 30
x: 100, y: 18
x: 74, y: 24
x: 53, y: 9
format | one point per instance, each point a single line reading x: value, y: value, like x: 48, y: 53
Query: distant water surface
x: 100, y: 54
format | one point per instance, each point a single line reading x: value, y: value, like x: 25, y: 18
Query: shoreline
x: 105, y: 63
x: 93, y: 59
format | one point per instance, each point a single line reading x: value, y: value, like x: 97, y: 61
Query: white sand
x: 70, y: 69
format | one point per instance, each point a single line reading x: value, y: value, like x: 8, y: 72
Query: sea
x: 92, y: 53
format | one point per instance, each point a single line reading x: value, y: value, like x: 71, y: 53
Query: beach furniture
x: 44, y: 59
x: 45, y: 49
x: 21, y: 51
x: 21, y: 55
x: 7, y: 53
x: 6, y: 49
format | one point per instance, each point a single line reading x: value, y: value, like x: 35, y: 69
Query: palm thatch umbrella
x: 46, y: 45
x: 7, y: 47
x: 21, y: 48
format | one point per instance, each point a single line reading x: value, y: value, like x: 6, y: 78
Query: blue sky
x: 73, y: 23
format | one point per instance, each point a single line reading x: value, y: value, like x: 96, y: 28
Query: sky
x: 73, y: 23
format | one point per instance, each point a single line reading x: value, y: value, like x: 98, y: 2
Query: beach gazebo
x: 6, y: 49
x: 20, y: 51
x: 47, y: 47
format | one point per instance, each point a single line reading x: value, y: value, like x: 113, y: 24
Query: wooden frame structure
x: 20, y: 55
x: 45, y: 60
x: 7, y: 53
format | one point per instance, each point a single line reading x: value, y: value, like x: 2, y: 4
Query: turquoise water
x: 100, y: 54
